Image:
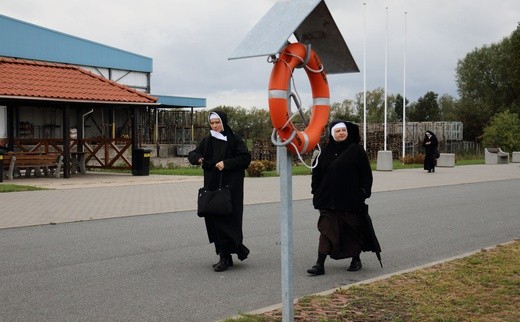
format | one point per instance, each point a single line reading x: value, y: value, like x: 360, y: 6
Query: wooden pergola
x: 30, y: 89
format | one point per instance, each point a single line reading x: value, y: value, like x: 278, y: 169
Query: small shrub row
x: 256, y: 167
x: 413, y: 159
x: 159, y: 166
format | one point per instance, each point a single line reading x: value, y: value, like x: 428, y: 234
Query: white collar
x: 218, y: 135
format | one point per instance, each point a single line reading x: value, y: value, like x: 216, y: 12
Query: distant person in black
x: 224, y: 155
x: 430, y: 144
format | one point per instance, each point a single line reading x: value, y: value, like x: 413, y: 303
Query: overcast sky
x: 190, y: 41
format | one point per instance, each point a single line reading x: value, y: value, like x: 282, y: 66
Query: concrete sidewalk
x: 104, y: 195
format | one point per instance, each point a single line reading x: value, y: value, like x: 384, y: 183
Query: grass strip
x: 481, y: 287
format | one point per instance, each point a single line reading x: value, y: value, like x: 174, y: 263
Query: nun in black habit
x: 224, y: 156
x: 341, y: 181
x: 431, y: 145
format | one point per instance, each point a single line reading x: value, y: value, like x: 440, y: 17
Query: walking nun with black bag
x: 224, y: 157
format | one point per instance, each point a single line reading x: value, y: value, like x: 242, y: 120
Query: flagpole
x: 404, y: 89
x: 365, y: 79
x: 385, y: 157
x: 386, y: 73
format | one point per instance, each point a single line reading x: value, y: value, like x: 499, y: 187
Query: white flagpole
x: 386, y: 72
x: 404, y: 89
x: 365, y: 80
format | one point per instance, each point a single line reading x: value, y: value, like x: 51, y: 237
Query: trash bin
x: 141, y: 162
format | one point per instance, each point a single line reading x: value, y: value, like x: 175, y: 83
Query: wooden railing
x: 102, y: 153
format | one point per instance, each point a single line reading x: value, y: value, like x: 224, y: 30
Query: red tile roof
x: 20, y: 78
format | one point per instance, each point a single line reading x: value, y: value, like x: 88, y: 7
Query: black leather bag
x: 214, y: 203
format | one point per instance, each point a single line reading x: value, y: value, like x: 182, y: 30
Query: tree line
x: 488, y: 82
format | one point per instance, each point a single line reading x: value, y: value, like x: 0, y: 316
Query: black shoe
x: 242, y: 252
x: 221, y: 266
x: 355, y: 265
x: 229, y: 261
x: 429, y: 171
x: 316, y: 270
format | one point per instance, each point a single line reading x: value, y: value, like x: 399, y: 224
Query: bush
x: 503, y: 132
x: 413, y: 159
x: 269, y: 165
x: 255, y: 168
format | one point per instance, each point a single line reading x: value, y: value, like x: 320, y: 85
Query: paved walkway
x: 104, y: 195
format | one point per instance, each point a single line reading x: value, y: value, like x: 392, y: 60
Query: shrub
x: 413, y: 159
x: 255, y: 168
x: 503, y: 132
x: 269, y: 165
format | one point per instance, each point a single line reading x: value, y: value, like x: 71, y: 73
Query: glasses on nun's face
x: 216, y: 125
x: 340, y: 134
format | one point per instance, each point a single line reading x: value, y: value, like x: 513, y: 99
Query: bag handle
x: 220, y: 181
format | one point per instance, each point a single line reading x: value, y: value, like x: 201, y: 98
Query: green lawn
x: 297, y: 170
x: 9, y: 187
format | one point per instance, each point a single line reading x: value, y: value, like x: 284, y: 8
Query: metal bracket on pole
x: 277, y: 142
x: 298, y: 103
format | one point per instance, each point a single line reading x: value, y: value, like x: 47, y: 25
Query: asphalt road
x: 158, y: 267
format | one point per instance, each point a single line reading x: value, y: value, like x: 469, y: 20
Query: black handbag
x: 214, y: 203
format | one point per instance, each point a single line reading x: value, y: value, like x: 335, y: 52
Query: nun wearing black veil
x: 430, y: 144
x: 224, y: 156
x: 341, y: 181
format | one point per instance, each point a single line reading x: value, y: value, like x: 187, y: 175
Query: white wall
x: 3, y: 122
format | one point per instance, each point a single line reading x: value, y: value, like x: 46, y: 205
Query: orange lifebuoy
x: 291, y: 57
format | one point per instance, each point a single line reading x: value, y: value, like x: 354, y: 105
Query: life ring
x: 293, y: 56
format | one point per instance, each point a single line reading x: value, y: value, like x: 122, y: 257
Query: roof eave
x: 47, y: 99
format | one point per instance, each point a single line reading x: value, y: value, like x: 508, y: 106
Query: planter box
x: 446, y: 160
x: 516, y: 157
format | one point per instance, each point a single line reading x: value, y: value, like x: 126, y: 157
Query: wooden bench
x: 496, y: 156
x: 48, y: 163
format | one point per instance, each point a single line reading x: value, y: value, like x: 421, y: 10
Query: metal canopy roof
x: 24, y: 40
x: 178, y: 101
x: 311, y: 23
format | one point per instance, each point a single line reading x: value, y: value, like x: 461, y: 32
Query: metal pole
x: 365, y: 80
x: 286, y: 228
x: 286, y: 234
x: 404, y: 89
x: 386, y: 71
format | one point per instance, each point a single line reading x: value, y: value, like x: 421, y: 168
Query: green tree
x: 375, y: 106
x: 426, y: 109
x: 238, y: 119
x: 503, y: 132
x: 448, y: 106
x: 345, y: 111
x: 398, y: 107
x: 260, y: 125
x: 488, y: 83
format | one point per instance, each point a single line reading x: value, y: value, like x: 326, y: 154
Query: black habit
x: 431, y: 145
x: 225, y: 232
x: 341, y: 181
